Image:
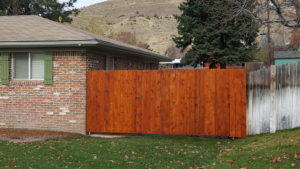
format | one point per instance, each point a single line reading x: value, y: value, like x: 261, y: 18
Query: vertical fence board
x: 209, y: 108
x: 165, y: 102
x: 191, y: 103
x: 240, y: 99
x: 222, y: 104
x: 139, y: 101
x: 185, y: 102
x: 200, y: 108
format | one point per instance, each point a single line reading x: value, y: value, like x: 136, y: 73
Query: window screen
x: 21, y: 65
x: 37, y: 66
x: 110, y: 63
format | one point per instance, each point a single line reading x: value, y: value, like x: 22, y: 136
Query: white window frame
x: 106, y: 62
x: 29, y: 68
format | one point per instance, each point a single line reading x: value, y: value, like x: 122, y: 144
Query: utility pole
x: 268, y: 25
x: 297, y: 9
x: 269, y: 34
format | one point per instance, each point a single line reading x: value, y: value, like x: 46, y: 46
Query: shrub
x: 174, y: 52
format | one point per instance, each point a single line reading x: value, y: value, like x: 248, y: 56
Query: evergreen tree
x: 51, y: 9
x: 218, y: 31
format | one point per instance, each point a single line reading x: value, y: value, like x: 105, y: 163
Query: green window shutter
x: 48, y: 68
x: 4, y: 61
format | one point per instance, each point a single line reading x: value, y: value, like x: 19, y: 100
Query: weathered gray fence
x: 273, y: 99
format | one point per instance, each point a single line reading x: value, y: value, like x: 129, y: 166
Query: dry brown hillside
x: 151, y: 22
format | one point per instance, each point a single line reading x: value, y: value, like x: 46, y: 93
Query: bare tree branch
x: 287, y: 11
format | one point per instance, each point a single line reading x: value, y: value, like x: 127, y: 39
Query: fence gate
x: 183, y: 102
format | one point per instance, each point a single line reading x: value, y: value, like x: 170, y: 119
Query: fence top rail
x: 174, y: 70
x: 277, y: 67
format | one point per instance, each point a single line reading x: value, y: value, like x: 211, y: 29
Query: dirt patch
x: 19, y: 135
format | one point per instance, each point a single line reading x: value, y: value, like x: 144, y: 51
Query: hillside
x: 151, y: 22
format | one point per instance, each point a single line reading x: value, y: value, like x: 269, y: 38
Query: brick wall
x: 62, y: 105
x: 95, y: 61
x: 125, y: 63
x: 131, y: 63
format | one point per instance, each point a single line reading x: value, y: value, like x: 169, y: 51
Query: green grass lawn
x: 281, y: 150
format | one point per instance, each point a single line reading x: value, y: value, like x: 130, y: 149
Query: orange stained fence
x: 176, y: 102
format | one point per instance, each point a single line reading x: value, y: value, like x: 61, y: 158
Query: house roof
x: 35, y: 31
x: 287, y: 54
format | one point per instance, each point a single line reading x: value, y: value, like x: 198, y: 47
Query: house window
x: 148, y: 66
x: 110, y: 63
x: 28, y: 66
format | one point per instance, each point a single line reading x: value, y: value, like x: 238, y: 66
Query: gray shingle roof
x: 35, y: 28
x: 22, y: 30
x: 286, y: 54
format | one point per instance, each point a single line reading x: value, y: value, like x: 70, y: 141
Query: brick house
x: 43, y: 70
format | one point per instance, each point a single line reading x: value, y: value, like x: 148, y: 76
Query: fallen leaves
x: 52, y: 148
x: 226, y: 151
x: 296, y: 156
x: 288, y: 156
x: 230, y: 161
x: 275, y: 159
x: 94, y: 157
x: 9, y: 166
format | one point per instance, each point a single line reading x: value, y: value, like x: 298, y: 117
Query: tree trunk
x: 14, y: 7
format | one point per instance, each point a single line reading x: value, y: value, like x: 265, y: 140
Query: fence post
x: 273, y: 112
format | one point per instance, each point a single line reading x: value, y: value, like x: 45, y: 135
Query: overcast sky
x: 83, y: 3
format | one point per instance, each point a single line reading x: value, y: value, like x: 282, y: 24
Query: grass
x: 281, y: 150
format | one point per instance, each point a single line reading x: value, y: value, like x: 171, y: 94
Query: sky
x: 83, y: 3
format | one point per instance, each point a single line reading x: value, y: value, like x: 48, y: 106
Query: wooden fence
x: 273, y: 99
x: 183, y: 102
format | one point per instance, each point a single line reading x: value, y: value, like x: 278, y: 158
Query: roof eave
x: 141, y: 52
x: 85, y: 43
x: 26, y: 44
